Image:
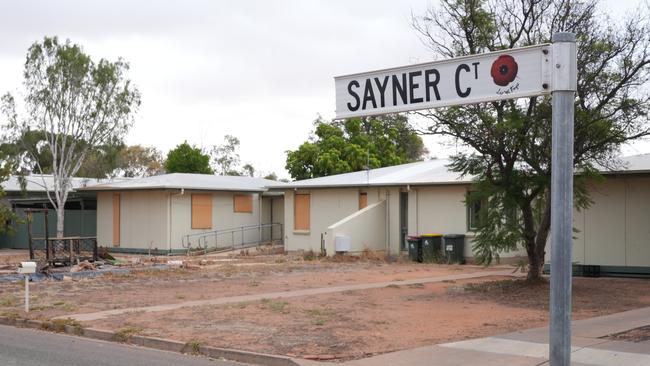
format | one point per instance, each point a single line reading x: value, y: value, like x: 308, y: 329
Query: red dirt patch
x: 347, y: 325
x: 357, y: 324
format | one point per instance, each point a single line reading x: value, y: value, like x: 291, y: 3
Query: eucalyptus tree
x: 355, y: 144
x: 510, y: 141
x: 225, y: 157
x: 78, y: 104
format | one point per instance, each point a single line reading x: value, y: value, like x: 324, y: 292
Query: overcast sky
x: 260, y: 70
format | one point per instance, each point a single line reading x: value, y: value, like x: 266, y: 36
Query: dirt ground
x: 358, y: 324
x: 10, y: 257
x: 641, y: 334
x: 227, y: 277
x: 345, y: 325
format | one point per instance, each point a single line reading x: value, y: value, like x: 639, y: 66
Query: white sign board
x: 514, y: 73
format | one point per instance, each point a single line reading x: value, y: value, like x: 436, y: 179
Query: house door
x: 403, y: 218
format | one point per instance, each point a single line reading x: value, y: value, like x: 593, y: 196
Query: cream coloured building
x: 168, y: 213
x: 376, y: 209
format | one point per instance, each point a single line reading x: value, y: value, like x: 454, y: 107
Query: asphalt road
x: 28, y: 347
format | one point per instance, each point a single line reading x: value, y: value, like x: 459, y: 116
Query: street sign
x: 508, y: 74
x: 514, y: 73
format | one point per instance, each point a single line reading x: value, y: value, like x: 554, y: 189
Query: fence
x: 63, y: 251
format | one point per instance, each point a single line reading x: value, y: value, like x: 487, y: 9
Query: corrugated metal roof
x: 430, y: 172
x: 37, y: 183
x: 423, y: 172
x: 203, y: 182
x: 633, y: 164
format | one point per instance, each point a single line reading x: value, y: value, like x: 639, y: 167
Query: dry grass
x: 309, y: 255
x: 277, y: 306
x: 58, y: 325
x: 194, y: 346
x: 320, y: 316
x: 8, y: 301
x: 494, y: 286
x: 124, y: 334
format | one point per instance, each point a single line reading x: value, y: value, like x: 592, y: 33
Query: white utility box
x: 27, y: 267
x: 342, y: 243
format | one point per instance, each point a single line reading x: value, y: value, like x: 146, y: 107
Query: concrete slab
x: 440, y: 356
x: 593, y: 328
x: 601, y: 357
x: 572, y: 364
x: 621, y: 346
x: 540, y: 335
x: 585, y: 355
x: 615, y: 323
x: 504, y: 347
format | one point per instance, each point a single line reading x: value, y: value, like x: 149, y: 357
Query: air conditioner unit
x: 342, y: 243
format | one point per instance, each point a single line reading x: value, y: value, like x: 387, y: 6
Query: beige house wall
x: 615, y: 229
x: 328, y: 206
x: 356, y: 227
x: 105, y: 219
x: 391, y: 195
x: 442, y: 210
x: 223, y: 217
x: 160, y: 219
x: 143, y: 219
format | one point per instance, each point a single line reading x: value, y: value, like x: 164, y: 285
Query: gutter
x: 155, y: 188
x: 401, y: 184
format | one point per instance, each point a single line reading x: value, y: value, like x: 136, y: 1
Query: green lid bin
x: 415, y: 248
x: 454, y: 248
x: 431, y: 247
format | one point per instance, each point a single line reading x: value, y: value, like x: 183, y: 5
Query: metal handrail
x: 202, y: 239
x: 66, y: 237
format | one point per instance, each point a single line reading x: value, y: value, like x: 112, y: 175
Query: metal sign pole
x: 564, y: 86
x: 26, y: 293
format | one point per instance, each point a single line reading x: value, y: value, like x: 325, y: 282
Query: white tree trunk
x: 60, y: 216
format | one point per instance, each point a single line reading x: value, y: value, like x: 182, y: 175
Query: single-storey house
x: 80, y: 209
x: 167, y: 213
x: 378, y: 208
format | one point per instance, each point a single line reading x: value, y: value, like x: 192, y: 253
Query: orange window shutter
x: 201, y: 211
x: 243, y: 203
x: 301, y: 212
x: 363, y: 200
x: 116, y: 219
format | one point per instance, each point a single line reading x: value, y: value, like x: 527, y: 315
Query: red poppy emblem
x: 504, y: 70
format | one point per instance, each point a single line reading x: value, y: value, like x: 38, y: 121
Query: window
x: 116, y: 219
x: 301, y: 212
x: 363, y: 200
x: 201, y: 211
x: 243, y: 203
x: 473, y: 211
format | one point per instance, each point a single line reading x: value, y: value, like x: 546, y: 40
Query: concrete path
x: 285, y: 294
x: 530, y: 347
x: 28, y: 347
